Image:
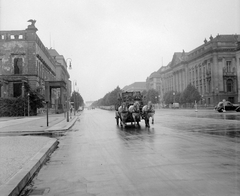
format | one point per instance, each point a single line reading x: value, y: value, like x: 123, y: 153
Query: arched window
x: 18, y: 65
x: 229, y: 85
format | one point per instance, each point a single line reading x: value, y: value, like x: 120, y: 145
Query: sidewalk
x: 21, y: 157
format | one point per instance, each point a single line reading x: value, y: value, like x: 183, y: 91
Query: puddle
x: 228, y: 133
x: 225, y: 116
x: 47, y: 134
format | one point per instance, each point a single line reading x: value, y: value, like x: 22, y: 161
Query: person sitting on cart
x: 135, y: 112
x: 123, y: 112
x: 148, y: 112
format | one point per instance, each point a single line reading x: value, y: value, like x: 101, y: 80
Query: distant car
x: 228, y: 106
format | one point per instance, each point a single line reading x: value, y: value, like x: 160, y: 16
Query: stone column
x: 221, y: 82
x: 186, y: 78
x: 202, y: 79
x: 181, y: 82
x: 174, y: 83
x: 234, y: 60
x: 238, y: 74
x: 215, y: 80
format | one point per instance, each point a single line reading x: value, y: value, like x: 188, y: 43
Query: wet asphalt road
x: 183, y: 153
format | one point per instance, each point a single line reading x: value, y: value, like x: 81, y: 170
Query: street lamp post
x: 46, y: 102
x: 28, y: 104
x: 47, y: 112
x: 67, y: 104
x: 74, y: 103
x: 217, y: 95
x: 158, y: 100
x: 68, y: 93
x: 203, y: 101
x: 173, y: 100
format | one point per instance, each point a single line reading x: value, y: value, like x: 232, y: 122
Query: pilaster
x: 238, y: 74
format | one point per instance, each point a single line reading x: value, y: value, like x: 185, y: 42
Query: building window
x: 18, y: 65
x: 209, y: 68
x: 17, y: 89
x: 228, y: 63
x: 229, y: 85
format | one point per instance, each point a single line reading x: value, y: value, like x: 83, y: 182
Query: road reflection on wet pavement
x: 183, y: 153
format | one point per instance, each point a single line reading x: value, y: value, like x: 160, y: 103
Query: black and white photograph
x: 119, y: 98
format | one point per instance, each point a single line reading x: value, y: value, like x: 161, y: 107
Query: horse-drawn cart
x: 129, y: 108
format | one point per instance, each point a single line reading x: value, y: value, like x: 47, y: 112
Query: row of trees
x: 111, y: 98
x: 189, y: 95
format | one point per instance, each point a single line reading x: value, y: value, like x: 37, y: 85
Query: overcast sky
x: 118, y: 42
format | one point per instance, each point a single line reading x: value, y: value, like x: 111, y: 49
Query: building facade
x: 213, y: 68
x: 25, y: 59
x: 62, y: 77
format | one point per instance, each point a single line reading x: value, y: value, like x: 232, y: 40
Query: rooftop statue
x: 33, y: 23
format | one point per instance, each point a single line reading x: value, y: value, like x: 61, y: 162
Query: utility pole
x: 28, y: 104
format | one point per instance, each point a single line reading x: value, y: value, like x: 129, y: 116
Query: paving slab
x: 22, y: 156
x: 29, y: 123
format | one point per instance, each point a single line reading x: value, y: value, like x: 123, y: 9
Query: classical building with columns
x: 213, y: 68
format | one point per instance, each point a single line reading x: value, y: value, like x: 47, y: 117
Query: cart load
x: 129, y: 108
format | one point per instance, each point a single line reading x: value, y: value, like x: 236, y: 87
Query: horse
x: 148, y: 112
x: 135, y: 112
x: 123, y: 114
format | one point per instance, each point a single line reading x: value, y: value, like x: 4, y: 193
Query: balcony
x: 229, y: 74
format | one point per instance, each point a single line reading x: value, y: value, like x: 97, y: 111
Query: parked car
x: 228, y: 106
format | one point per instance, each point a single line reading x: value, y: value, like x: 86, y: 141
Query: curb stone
x: 57, y: 129
x: 15, y: 185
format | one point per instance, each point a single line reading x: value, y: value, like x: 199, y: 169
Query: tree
x: 152, y: 95
x: 19, y: 106
x: 168, y: 97
x: 36, y: 100
x: 77, y: 98
x: 190, y: 95
x: 113, y: 96
x: 177, y: 97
